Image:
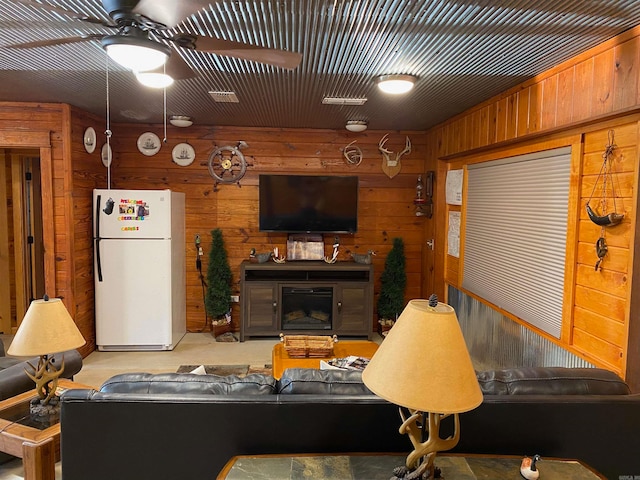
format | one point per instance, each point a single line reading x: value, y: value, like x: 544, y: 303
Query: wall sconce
x: 424, y: 195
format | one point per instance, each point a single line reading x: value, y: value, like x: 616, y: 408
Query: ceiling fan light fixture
x: 396, y: 84
x: 180, y: 121
x: 136, y: 53
x: 154, y: 79
x: 356, y: 126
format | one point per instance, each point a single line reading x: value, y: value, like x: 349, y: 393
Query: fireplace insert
x: 305, y: 308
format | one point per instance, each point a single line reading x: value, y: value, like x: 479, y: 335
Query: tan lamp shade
x: 423, y: 363
x: 46, y: 328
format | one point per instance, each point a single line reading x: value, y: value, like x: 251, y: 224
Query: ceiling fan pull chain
x: 164, y: 106
x: 107, y: 131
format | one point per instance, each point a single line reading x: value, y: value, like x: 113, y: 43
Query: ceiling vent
x: 343, y: 101
x: 224, y: 97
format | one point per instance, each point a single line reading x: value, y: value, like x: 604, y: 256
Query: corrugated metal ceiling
x: 462, y: 51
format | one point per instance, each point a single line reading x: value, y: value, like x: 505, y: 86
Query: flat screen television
x: 308, y: 203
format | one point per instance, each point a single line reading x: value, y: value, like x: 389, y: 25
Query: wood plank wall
x: 586, y: 96
x: 87, y: 173
x: 385, y: 208
x: 24, y: 122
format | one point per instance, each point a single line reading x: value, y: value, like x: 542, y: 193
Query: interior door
x: 21, y: 244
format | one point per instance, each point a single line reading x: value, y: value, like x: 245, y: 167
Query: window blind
x: 515, y: 234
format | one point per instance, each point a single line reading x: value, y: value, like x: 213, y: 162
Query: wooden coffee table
x: 281, y: 361
x: 38, y: 444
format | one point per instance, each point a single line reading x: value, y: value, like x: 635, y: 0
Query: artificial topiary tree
x: 217, y: 300
x: 392, y: 283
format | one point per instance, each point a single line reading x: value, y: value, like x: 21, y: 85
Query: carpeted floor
x: 222, y: 370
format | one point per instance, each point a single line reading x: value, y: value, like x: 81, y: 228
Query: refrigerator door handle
x: 98, y: 262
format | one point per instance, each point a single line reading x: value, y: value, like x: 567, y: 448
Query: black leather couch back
x: 296, y: 381
x: 190, y: 384
x: 551, y: 381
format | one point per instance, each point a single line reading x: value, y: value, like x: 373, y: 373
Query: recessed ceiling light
x: 396, y: 84
x: 180, y: 121
x: 356, y: 126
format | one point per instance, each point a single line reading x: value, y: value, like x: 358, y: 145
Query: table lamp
x: 424, y: 367
x: 47, y: 328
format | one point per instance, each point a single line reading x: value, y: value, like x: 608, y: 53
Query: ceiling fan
x: 143, y: 24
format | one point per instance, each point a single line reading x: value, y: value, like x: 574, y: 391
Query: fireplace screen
x: 307, y: 308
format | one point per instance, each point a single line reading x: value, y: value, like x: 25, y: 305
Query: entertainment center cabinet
x: 306, y: 298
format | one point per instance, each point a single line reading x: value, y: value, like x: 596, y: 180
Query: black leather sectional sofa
x: 14, y: 380
x: 168, y: 426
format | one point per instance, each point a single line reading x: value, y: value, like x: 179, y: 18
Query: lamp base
x: 49, y: 411
x: 425, y: 471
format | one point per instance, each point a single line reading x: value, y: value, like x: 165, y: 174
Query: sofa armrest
x: 14, y: 379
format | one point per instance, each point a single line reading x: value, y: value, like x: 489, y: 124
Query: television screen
x: 308, y: 203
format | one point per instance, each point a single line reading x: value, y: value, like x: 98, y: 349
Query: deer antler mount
x: 390, y: 164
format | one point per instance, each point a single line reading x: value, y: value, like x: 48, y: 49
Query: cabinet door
x: 354, y: 309
x: 261, y: 308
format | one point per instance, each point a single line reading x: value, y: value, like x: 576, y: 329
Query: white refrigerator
x: 139, y: 268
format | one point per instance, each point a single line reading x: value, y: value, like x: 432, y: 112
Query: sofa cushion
x: 551, y: 381
x: 187, y: 383
x: 328, y: 382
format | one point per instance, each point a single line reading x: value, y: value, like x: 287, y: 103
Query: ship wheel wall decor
x: 227, y: 165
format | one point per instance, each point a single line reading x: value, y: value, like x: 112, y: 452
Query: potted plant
x: 217, y: 301
x: 392, y: 285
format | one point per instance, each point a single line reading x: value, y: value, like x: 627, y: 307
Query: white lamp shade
x: 135, y: 52
x: 154, y: 79
x: 396, y: 84
x: 46, y: 328
x: 423, y: 363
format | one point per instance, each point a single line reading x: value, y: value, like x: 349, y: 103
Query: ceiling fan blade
x: 57, y: 41
x: 169, y: 12
x: 62, y: 11
x: 245, y: 51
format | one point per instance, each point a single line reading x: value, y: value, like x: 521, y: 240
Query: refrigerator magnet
x: 148, y: 144
x: 183, y: 154
x: 106, y: 155
x: 89, y: 140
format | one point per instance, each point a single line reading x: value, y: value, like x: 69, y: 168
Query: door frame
x: 40, y: 139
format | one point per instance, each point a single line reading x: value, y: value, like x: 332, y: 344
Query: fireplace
x: 305, y: 308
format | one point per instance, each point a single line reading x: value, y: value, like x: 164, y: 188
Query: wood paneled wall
x: 584, y: 98
x: 385, y: 208
x: 86, y: 173
x: 48, y: 127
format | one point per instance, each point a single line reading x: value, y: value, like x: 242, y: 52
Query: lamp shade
x: 136, y: 52
x: 46, y: 328
x: 423, y: 363
x: 154, y: 79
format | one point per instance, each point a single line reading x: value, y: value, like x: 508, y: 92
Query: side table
x: 379, y: 466
x: 37, y: 443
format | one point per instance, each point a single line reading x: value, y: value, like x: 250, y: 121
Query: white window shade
x: 515, y: 235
